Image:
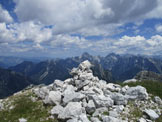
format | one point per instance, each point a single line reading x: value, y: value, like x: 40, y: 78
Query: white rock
x: 119, y: 99
x: 113, y: 114
x: 137, y: 92
x: 58, y: 83
x: 73, y: 97
x: 69, y: 81
x: 142, y: 120
x: 90, y: 108
x: 56, y: 110
x: 95, y: 119
x: 102, y: 101
x: 113, y: 87
x: 85, y: 76
x: 41, y: 92
x: 54, y: 97
x: 130, y: 81
x: 110, y: 119
x: 119, y: 108
x: 101, y: 84
x: 158, y: 100
x: 100, y: 111
x: 124, y: 89
x: 85, y: 65
x: 72, y: 110
x: 81, y: 83
x: 83, y: 118
x: 97, y: 90
x: 1, y: 106
x: 22, y: 120
x: 152, y: 114
x: 73, y: 120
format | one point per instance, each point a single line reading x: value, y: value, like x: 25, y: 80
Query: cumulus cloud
x: 4, y: 15
x: 48, y: 26
x: 26, y: 31
x: 156, y: 12
x: 82, y: 15
x: 158, y: 28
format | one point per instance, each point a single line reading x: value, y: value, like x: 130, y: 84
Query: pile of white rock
x: 85, y: 98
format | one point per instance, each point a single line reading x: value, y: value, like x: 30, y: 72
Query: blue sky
x: 63, y: 28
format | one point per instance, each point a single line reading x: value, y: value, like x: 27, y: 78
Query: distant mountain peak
x: 85, y: 54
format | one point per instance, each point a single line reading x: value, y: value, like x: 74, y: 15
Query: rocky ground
x: 84, y: 98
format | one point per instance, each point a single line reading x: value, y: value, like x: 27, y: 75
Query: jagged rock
x: 72, y: 120
x: 101, y: 84
x: 137, y: 92
x: 142, y: 120
x: 130, y: 81
x: 99, y: 111
x: 158, y: 100
x: 69, y: 81
x: 1, y: 105
x: 119, y: 99
x: 90, y: 108
x: 119, y: 108
x: 53, y: 98
x: 42, y: 92
x: 81, y: 83
x: 83, y: 118
x: 124, y: 89
x: 113, y: 114
x: 73, y: 97
x: 95, y: 119
x: 113, y: 87
x: 85, y: 76
x: 69, y: 89
x: 70, y: 95
x: 152, y: 114
x: 58, y: 84
x: 102, y: 101
x: 97, y: 90
x: 22, y: 120
x: 72, y: 110
x: 56, y: 110
x: 110, y: 119
x: 85, y: 65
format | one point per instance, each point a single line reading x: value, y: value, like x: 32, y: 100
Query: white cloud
x: 158, y: 28
x: 156, y: 13
x: 26, y: 31
x: 4, y: 15
x: 67, y: 41
x: 5, y: 34
x: 69, y: 16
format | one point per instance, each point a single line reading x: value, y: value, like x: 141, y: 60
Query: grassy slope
x: 153, y: 87
x: 25, y: 108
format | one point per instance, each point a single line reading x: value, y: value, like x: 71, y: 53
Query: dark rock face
x: 110, y: 68
x: 11, y: 82
x: 47, y: 71
x: 148, y: 75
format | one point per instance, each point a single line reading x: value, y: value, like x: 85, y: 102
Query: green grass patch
x: 24, y: 107
x: 159, y: 119
x: 153, y: 87
x: 106, y: 113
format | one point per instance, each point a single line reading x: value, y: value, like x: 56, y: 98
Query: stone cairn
x: 85, y: 98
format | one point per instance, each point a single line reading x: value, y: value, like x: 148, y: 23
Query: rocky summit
x: 85, y: 98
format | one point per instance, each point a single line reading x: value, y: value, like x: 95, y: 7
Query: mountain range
x: 11, y: 82
x: 111, y: 68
